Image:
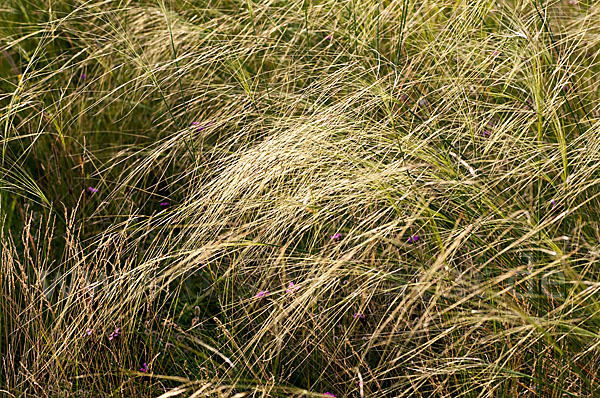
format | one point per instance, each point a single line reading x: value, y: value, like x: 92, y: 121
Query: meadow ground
x: 303, y: 198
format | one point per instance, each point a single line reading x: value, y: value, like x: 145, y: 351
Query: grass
x: 269, y: 127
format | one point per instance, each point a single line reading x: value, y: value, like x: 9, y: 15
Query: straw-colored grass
x: 453, y: 145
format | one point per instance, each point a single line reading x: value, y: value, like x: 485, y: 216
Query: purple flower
x: 291, y: 288
x: 262, y: 293
x: 328, y: 37
x: 358, y: 315
x: 92, y: 190
x: 115, y: 333
x: 197, y: 126
x: 486, y: 133
x: 164, y: 204
x: 200, y: 127
x: 552, y: 204
x: 83, y: 76
x: 89, y: 331
x: 328, y: 394
x: 529, y: 103
x: 144, y: 368
x: 413, y: 239
x: 335, y: 236
x: 422, y: 102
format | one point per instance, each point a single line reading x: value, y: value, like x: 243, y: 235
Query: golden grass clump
x: 299, y: 198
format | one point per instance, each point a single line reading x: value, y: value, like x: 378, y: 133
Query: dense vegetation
x: 359, y: 198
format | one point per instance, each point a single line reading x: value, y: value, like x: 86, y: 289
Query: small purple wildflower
x: 115, y: 333
x: 144, y: 368
x: 328, y: 37
x: 422, y: 102
x: 486, y: 133
x: 495, y: 52
x: 529, y: 103
x: 89, y: 331
x: 200, y: 127
x: 336, y: 236
x: 413, y: 239
x: 291, y: 288
x: 91, y: 190
x: 164, y: 204
x: 328, y: 394
x: 358, y: 315
x: 262, y: 293
x: 552, y: 204
x: 83, y: 76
